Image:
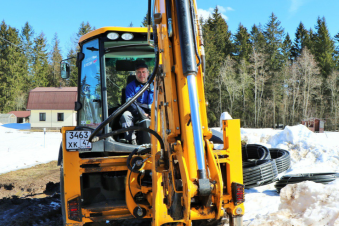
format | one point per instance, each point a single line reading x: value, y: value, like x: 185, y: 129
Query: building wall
x: 52, y: 118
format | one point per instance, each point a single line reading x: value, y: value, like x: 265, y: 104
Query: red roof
x: 20, y: 114
x: 51, y: 98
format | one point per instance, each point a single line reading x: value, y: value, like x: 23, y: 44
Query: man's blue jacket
x: 144, y: 102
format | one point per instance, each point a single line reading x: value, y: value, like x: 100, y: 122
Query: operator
x: 141, y: 108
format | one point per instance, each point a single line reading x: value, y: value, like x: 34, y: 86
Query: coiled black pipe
x: 252, y: 152
x: 282, y: 159
x: 259, y: 173
x: 323, y: 178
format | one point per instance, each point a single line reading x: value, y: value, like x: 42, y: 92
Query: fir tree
x: 242, y: 44
x: 144, y: 22
x: 301, y: 40
x: 13, y: 68
x: 218, y: 45
x: 323, y: 48
x: 40, y: 68
x: 257, y: 38
x: 27, y: 39
x: 55, y: 58
x: 287, y: 47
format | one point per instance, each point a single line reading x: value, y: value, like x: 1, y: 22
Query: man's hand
x: 147, y: 115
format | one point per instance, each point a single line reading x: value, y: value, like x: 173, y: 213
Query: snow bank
x: 306, y: 203
x: 23, y: 149
x: 306, y: 148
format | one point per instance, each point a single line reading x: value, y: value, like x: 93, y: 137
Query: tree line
x: 26, y: 63
x: 259, y: 75
x: 264, y: 78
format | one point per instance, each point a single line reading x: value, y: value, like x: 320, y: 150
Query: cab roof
x: 107, y: 29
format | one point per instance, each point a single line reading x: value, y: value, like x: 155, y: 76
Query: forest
x: 258, y: 75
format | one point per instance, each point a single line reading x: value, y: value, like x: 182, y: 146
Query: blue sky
x: 64, y: 17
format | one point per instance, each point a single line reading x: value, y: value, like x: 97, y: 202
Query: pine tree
x: 336, y: 39
x: 27, y: 38
x: 302, y: 39
x: 13, y: 68
x: 144, y: 22
x: 41, y: 69
x: 287, y: 47
x: 73, y: 80
x: 324, y: 48
x: 218, y: 45
x: 55, y: 58
x: 242, y: 44
x: 83, y: 29
x: 257, y: 38
x: 274, y: 34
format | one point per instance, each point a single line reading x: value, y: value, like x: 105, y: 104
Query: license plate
x: 76, y: 140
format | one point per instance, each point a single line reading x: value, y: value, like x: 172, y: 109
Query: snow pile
x: 306, y: 148
x: 23, y: 149
x: 310, y: 153
x: 306, y: 203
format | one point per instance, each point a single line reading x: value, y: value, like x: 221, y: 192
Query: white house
x: 52, y: 107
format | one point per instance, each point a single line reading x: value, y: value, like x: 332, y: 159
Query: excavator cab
x: 106, y: 63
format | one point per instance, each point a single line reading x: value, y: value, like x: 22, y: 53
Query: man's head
x: 141, y: 72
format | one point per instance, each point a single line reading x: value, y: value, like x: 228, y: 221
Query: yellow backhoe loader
x: 173, y: 176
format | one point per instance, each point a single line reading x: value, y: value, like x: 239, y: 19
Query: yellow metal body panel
x: 106, y: 29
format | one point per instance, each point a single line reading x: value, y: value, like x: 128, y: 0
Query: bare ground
x: 30, y: 197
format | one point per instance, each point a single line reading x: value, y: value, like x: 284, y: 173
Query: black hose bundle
x: 258, y: 173
x: 282, y: 159
x: 323, y: 178
x: 254, y: 152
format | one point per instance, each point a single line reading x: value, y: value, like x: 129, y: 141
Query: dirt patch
x: 30, y: 182
x: 30, y: 197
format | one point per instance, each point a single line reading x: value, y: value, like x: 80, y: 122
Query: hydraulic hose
x: 135, y: 151
x: 194, y: 33
x: 135, y: 128
x: 123, y: 107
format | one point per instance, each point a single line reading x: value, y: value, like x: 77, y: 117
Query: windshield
x: 90, y: 86
x: 120, y: 69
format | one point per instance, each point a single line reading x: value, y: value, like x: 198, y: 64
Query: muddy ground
x: 30, y: 197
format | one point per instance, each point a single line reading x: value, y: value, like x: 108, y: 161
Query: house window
x: 60, y: 117
x: 42, y: 116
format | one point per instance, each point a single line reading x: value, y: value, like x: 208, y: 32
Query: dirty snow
x: 305, y: 203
